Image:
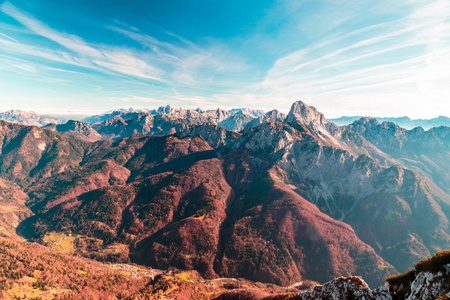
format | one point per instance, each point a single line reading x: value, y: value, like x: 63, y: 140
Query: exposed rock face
x: 425, y: 286
x: 310, y: 117
x: 218, y: 138
x: 427, y: 152
x: 216, y: 116
x: 188, y: 114
x: 168, y: 120
x: 430, y: 285
x: 236, y: 122
x: 271, y: 116
x: 148, y: 124
x: 306, y: 114
x: 346, y: 288
x: 235, y: 119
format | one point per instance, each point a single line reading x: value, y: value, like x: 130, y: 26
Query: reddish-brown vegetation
x: 32, y: 271
x: 239, y: 209
x: 176, y: 204
x: 28, y: 269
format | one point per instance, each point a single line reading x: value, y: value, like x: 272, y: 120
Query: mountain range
x: 234, y: 119
x: 275, y: 199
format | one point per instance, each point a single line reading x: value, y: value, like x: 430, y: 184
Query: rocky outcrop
x: 429, y: 280
x: 430, y: 285
x: 346, y: 288
x: 425, y: 286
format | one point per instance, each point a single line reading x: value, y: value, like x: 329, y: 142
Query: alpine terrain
x: 265, y: 197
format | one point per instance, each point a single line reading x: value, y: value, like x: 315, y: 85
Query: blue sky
x: 378, y: 58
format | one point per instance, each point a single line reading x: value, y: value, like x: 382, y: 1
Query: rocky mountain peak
x: 418, y: 130
x: 144, y: 119
x: 276, y: 114
x: 76, y: 129
x: 77, y: 125
x: 305, y: 114
x: 168, y: 109
x: 189, y: 114
x: 366, y: 122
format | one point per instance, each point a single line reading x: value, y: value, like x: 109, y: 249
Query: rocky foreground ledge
x: 427, y: 285
x: 429, y: 280
x: 353, y: 287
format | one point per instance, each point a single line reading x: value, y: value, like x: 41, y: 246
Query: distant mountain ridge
x: 76, y: 129
x: 404, y: 122
x: 28, y: 118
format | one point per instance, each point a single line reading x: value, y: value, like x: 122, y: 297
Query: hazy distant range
x: 404, y: 122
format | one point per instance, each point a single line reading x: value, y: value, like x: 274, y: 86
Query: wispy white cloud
x: 190, y: 64
x: 78, y: 52
x: 383, y: 58
x: 175, y: 64
x: 403, y: 58
x: 8, y: 37
x: 27, y: 68
x: 70, y: 42
x: 125, y: 63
